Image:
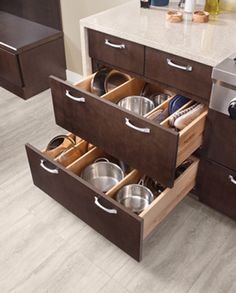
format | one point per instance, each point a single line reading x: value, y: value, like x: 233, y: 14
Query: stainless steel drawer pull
x: 143, y: 130
x: 231, y: 178
x: 81, y: 99
x: 110, y: 211
x: 186, y: 68
x: 8, y: 46
x: 108, y: 43
x: 52, y: 171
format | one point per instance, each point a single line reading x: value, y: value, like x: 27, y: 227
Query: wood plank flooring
x: 44, y: 248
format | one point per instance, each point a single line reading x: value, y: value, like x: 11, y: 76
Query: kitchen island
x: 207, y: 43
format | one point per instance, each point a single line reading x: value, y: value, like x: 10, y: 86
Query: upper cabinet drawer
x: 9, y: 67
x: 156, y: 150
x: 183, y: 74
x: 117, y: 52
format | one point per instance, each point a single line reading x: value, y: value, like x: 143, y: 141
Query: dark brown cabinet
x: 217, y: 176
x: 29, y: 51
x: 220, y: 139
x: 218, y: 188
x: 147, y: 147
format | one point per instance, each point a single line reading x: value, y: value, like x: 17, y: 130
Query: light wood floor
x: 44, y: 248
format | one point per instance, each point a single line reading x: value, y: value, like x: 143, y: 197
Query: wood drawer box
x: 220, y: 139
x: 116, y: 52
x: 183, y: 74
x: 9, y: 67
x: 134, y: 139
x: 217, y: 188
x: 101, y: 211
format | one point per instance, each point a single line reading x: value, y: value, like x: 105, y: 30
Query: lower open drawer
x: 101, y: 211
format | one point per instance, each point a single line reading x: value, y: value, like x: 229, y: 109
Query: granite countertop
x: 207, y: 43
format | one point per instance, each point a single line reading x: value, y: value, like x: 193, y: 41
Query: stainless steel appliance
x: 223, y: 96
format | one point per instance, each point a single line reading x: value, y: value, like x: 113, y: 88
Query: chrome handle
x: 52, y: 171
x: 186, y: 68
x: 8, y: 46
x: 81, y: 100
x: 108, y: 43
x: 110, y: 211
x: 231, y: 178
x: 143, y: 130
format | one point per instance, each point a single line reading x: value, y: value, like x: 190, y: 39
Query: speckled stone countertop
x: 207, y: 43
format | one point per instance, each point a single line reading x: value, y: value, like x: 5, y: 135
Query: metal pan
x: 102, y: 174
x: 135, y: 197
x: 137, y: 104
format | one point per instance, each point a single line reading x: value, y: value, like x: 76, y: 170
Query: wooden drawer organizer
x: 101, y: 211
x: 134, y: 139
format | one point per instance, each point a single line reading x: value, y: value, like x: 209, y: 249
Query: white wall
x: 72, y: 12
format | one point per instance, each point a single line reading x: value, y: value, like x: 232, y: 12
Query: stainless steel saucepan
x: 135, y: 197
x: 102, y: 174
x: 137, y: 104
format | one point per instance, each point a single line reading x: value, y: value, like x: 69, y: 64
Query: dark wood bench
x: 30, y: 51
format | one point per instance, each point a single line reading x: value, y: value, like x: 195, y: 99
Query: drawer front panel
x: 9, y: 68
x: 218, y: 188
x: 220, y: 139
x: 104, y: 124
x: 117, y: 52
x: 123, y: 228
x: 178, y: 72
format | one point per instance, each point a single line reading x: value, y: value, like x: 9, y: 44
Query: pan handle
x: 143, y: 130
x: 97, y: 203
x: 52, y: 171
x: 81, y: 99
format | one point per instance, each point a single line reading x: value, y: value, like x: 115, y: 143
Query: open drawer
x: 156, y: 150
x: 101, y: 211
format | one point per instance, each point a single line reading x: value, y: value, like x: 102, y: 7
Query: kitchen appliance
x: 223, y: 96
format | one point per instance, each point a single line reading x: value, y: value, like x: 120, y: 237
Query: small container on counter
x: 145, y: 3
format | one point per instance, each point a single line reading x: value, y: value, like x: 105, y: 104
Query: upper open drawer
x: 116, y: 51
x: 154, y: 149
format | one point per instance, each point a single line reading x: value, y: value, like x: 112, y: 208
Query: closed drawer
x: 101, y: 211
x: 116, y: 52
x: 220, y: 139
x: 154, y: 149
x: 9, y: 67
x: 218, y: 188
x: 180, y: 73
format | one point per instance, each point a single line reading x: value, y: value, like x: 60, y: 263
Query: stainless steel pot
x: 137, y: 104
x: 102, y: 174
x: 135, y: 197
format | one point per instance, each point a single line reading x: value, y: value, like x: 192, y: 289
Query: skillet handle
x: 110, y: 211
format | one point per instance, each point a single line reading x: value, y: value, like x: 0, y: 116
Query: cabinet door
x: 180, y: 73
x: 220, y: 139
x: 218, y: 188
x: 9, y: 68
x: 123, y: 228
